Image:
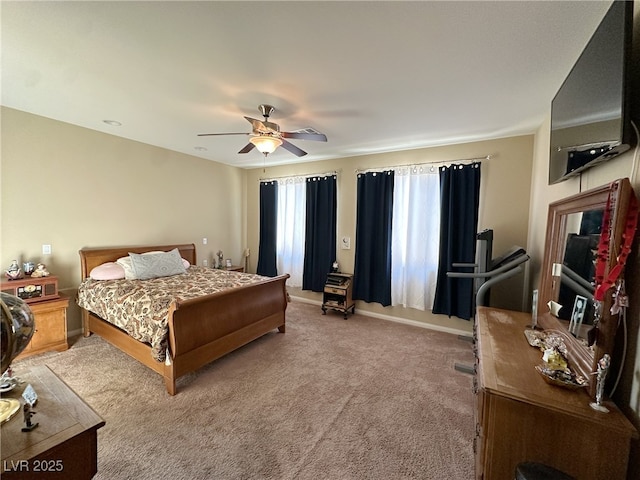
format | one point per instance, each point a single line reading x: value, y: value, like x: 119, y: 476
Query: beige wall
x: 504, y: 207
x: 72, y: 187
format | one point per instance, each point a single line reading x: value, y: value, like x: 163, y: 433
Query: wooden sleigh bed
x: 201, y: 329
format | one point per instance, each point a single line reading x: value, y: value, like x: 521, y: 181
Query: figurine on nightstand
x: 40, y: 271
x: 13, y: 272
x: 28, y: 413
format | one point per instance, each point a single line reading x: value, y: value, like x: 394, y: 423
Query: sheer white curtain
x: 291, y: 228
x: 415, y: 237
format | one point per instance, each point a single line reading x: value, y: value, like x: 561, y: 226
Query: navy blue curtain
x: 459, y: 198
x: 268, y: 229
x: 320, y: 232
x: 372, y: 273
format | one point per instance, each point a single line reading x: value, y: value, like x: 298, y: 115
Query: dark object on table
x: 17, y: 328
x: 538, y: 471
x: 28, y: 413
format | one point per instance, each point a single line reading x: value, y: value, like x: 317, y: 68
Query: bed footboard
x: 204, y: 329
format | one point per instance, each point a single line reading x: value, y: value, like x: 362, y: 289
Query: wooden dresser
x: 519, y: 417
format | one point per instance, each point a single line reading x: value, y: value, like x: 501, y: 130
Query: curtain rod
x: 310, y: 175
x: 433, y: 162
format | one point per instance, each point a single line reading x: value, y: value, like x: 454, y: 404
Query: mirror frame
x: 580, y: 357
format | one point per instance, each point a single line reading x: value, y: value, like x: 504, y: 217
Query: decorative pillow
x: 107, y: 271
x: 154, y: 265
x: 125, y: 263
x: 129, y: 274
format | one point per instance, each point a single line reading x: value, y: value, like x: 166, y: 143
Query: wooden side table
x: 235, y: 268
x: 51, y: 326
x: 65, y: 443
x: 337, y: 294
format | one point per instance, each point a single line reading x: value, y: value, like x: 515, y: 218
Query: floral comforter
x: 141, y: 307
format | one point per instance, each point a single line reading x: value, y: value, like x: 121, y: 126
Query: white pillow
x: 107, y: 271
x: 129, y: 274
x: 154, y: 265
x: 125, y: 263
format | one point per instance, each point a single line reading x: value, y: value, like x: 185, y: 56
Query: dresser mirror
x: 567, y: 273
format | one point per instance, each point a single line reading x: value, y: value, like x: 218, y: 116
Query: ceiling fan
x: 266, y: 136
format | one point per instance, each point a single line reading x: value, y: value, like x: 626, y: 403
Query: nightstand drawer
x: 337, y: 291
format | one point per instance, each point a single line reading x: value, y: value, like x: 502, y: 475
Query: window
x: 415, y: 237
x: 397, y: 237
x: 298, y: 229
x: 291, y: 229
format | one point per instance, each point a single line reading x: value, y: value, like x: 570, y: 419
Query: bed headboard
x: 92, y: 257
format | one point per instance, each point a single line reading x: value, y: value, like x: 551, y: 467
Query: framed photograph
x: 228, y: 262
x: 577, y: 314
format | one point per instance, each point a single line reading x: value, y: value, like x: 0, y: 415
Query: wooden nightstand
x: 51, y: 326
x: 337, y: 294
x: 235, y: 268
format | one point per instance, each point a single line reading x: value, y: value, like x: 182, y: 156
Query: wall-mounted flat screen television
x: 590, y: 113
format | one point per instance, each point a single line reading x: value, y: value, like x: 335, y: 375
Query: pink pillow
x: 107, y: 271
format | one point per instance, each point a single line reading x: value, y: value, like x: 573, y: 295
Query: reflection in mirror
x: 578, y: 269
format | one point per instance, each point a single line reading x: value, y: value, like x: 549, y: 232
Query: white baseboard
x: 390, y: 318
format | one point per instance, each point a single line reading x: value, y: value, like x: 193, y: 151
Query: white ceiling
x: 372, y: 76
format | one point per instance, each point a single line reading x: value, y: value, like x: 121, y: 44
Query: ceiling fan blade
x: 293, y: 149
x: 215, y: 134
x: 256, y: 124
x: 319, y: 137
x: 247, y: 148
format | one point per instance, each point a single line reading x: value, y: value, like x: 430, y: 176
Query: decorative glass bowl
x: 18, y: 326
x: 561, y: 378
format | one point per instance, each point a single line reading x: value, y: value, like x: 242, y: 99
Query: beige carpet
x: 361, y: 398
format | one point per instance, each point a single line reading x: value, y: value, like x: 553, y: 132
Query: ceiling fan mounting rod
x: 265, y: 110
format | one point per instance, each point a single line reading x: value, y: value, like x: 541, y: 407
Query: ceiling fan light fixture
x: 266, y: 144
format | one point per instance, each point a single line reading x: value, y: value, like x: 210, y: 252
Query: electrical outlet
x: 346, y: 243
x: 204, y: 241
x: 46, y: 249
x: 205, y: 263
